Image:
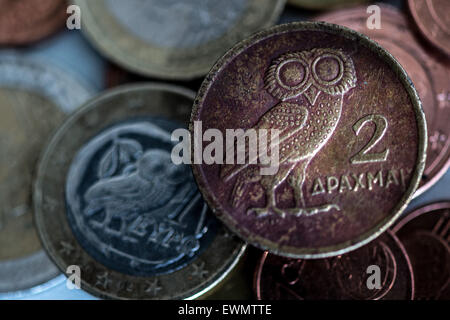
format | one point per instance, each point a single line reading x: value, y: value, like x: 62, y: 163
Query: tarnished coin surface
x: 381, y: 270
x: 429, y: 72
x: 109, y: 199
x: 425, y: 235
x: 25, y: 21
x: 34, y: 100
x: 173, y: 39
x: 433, y: 20
x: 351, y: 139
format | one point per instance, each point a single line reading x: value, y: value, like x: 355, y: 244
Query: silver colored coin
x: 109, y: 199
x: 173, y: 39
x: 34, y: 100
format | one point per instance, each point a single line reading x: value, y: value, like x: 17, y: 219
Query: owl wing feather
x: 122, y: 187
x: 287, y: 118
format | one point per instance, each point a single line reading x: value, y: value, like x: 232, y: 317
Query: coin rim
x: 38, y: 203
x: 378, y: 229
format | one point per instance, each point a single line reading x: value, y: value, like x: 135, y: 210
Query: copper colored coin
x: 352, y: 139
x: 25, y: 21
x: 429, y: 72
x: 433, y: 20
x: 425, y: 233
x: 350, y: 276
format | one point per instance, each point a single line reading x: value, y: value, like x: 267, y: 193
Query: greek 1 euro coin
x: 329, y: 133
x: 425, y: 233
x: 380, y: 270
x: 173, y: 39
x: 34, y: 100
x: 429, y: 72
x: 110, y: 201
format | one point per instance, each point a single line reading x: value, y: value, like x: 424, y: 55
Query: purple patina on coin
x: 352, y: 139
x: 429, y: 72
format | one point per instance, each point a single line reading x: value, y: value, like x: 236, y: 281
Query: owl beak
x: 311, y: 94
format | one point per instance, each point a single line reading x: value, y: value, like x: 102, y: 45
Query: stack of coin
x: 412, y: 262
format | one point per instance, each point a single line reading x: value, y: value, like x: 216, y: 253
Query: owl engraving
x: 146, y: 185
x: 310, y: 85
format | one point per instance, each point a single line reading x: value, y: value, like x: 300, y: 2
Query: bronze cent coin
x: 109, y: 199
x: 173, y: 39
x: 429, y: 72
x: 433, y: 20
x: 351, y: 147
x: 34, y: 100
x: 378, y: 271
x: 26, y: 21
x: 425, y: 233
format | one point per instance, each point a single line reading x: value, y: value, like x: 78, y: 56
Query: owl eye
x: 328, y: 69
x: 292, y: 74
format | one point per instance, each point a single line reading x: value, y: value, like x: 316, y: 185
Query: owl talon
x: 297, y: 212
x: 263, y: 212
x: 311, y: 210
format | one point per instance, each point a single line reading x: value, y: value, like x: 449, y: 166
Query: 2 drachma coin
x: 352, y: 139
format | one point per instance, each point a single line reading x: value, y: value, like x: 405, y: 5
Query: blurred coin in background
x: 132, y: 220
x: 429, y: 72
x: 324, y: 4
x: 34, y: 100
x: 173, y: 39
x: 70, y: 51
x: 433, y: 20
x: 26, y: 21
x: 425, y: 233
x: 345, y: 277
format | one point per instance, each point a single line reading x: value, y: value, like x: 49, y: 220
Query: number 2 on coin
x: 380, y: 129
